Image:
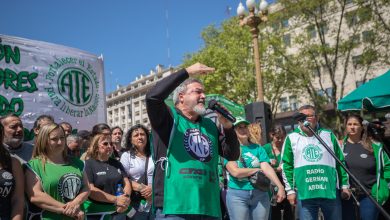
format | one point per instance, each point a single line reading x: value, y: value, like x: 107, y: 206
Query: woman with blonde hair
x: 243, y: 200
x: 110, y: 187
x: 55, y: 182
x: 255, y: 133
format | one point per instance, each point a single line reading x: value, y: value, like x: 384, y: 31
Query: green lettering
x: 9, y: 54
x: 16, y: 106
x: 33, y: 86
x: 9, y: 77
x: 85, y: 88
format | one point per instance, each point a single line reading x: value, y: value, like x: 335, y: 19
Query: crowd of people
x: 183, y: 166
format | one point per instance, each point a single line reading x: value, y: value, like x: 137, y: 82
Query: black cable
x: 385, y: 214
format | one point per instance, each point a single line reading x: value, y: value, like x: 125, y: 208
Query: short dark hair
x: 98, y: 128
x: 278, y: 130
x: 116, y: 127
x: 130, y: 147
x: 40, y: 118
x: 66, y: 123
x: 304, y: 107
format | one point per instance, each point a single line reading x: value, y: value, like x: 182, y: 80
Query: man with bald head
x: 13, y: 137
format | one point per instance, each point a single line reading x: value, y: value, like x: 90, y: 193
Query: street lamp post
x: 253, y: 19
x: 260, y: 111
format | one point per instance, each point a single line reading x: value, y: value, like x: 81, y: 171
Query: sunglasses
x: 106, y: 144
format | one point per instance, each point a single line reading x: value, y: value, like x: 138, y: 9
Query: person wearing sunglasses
x: 105, y: 175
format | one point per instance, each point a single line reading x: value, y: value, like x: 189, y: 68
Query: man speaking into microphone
x: 309, y: 171
x: 186, y: 147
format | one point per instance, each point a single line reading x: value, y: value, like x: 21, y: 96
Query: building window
x: 275, y: 26
x: 321, y: 93
x: 359, y: 83
x: 324, y: 28
x: 368, y: 36
x: 285, y: 23
x: 352, y: 18
x: 329, y: 92
x: 293, y: 103
x: 356, y: 60
x: 355, y: 38
x: 316, y: 72
x: 284, y: 104
x: 287, y: 39
x: 311, y: 31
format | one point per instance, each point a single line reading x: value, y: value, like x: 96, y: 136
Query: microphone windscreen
x: 212, y: 103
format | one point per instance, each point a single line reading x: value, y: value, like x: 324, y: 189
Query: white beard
x: 201, y: 110
x: 13, y: 142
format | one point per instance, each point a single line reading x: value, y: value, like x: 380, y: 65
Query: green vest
x: 63, y: 182
x: 191, y: 173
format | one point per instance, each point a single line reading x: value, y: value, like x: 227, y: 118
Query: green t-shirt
x: 63, y: 182
x: 253, y: 155
x: 268, y: 148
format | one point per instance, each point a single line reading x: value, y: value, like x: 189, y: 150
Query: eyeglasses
x: 106, y: 144
x: 198, y: 91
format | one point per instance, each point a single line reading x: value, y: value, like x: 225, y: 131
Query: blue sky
x: 131, y: 35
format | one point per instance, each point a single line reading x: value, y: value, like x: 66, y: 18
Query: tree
x: 229, y: 49
x: 328, y: 47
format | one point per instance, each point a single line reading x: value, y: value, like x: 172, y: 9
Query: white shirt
x: 135, y: 166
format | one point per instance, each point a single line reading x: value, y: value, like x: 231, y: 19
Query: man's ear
x: 36, y: 130
x: 181, y: 97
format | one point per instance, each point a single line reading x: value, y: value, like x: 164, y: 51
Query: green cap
x: 240, y: 120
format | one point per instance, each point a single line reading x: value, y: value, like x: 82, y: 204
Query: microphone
x: 214, y: 105
x: 300, y: 117
x: 373, y: 125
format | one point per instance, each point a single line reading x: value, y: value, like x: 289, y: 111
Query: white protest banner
x: 43, y: 78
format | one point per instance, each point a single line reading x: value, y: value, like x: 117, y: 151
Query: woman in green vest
x: 56, y: 182
x: 243, y: 200
x: 274, y: 152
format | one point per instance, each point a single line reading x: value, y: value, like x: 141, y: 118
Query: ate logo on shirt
x: 312, y: 153
x: 69, y: 186
x: 198, y: 145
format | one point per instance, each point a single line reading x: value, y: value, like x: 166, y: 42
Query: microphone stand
x: 379, y: 207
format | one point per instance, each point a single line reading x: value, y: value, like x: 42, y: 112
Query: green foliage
x: 325, y: 35
x: 228, y: 50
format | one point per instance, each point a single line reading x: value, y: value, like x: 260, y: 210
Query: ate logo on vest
x: 198, y: 145
x: 69, y: 186
x: 312, y: 153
